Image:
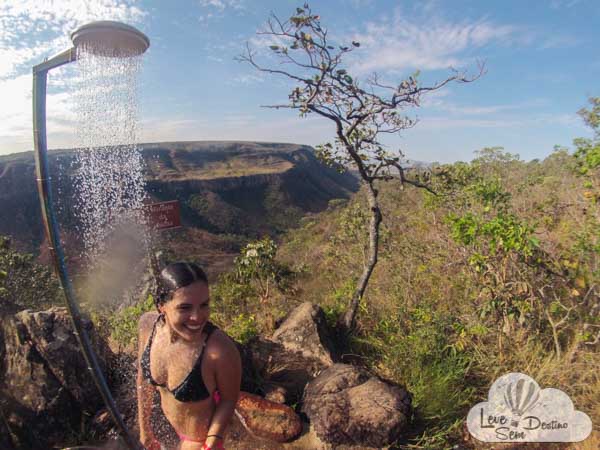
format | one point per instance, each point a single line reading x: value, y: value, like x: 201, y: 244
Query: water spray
x: 104, y: 38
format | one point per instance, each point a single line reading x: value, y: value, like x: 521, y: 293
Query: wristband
x: 215, y: 435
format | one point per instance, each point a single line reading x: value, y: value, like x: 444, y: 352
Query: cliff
x: 245, y: 189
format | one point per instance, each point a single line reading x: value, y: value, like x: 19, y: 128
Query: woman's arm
x: 228, y: 374
x: 145, y: 391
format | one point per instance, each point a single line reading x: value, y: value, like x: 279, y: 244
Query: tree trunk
x: 348, y: 320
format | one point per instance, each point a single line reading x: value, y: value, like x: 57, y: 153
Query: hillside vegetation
x: 499, y: 272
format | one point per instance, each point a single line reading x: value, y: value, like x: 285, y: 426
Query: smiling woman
x: 195, y: 367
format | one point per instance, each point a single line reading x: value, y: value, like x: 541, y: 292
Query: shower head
x: 109, y: 38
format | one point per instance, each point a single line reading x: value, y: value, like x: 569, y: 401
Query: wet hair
x: 175, y: 276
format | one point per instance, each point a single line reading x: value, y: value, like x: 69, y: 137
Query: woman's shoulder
x: 145, y: 325
x: 147, y: 321
x: 221, y: 344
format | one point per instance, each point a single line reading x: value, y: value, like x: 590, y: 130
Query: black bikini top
x: 192, y: 389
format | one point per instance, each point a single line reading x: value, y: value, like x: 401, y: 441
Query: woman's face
x: 188, y: 310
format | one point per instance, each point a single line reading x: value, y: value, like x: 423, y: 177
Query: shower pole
x: 40, y: 75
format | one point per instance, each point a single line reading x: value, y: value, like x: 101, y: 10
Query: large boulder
x: 284, y: 373
x: 122, y: 379
x: 6, y: 439
x: 46, y: 389
x: 305, y: 331
x: 348, y: 407
x: 267, y: 419
x: 298, y: 350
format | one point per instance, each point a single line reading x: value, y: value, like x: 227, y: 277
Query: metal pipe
x: 62, y: 58
x: 51, y: 228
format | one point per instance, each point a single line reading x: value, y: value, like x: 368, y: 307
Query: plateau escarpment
x: 228, y: 191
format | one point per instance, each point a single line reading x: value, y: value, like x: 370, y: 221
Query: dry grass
x: 420, y: 323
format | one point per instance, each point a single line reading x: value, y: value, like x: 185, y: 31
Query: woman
x: 195, y: 367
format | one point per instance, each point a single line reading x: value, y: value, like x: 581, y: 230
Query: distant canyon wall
x: 241, y: 188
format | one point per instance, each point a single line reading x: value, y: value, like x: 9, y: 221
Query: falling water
x: 109, y: 182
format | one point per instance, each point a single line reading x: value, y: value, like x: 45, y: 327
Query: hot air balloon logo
x: 520, y: 398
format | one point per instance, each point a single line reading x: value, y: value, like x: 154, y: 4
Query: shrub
x: 123, y: 325
x: 243, y: 328
x: 23, y: 282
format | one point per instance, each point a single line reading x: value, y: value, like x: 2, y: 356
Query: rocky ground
x: 48, y: 397
x: 303, y: 398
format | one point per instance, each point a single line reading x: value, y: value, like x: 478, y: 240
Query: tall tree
x: 362, y: 112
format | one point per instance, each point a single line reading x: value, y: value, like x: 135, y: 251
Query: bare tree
x: 361, y: 112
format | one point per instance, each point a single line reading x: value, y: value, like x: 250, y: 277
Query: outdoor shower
x: 107, y: 39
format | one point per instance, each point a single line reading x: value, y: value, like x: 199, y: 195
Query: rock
x: 305, y: 331
x: 6, y: 439
x: 266, y: 419
x: 336, y: 379
x: 124, y: 390
x: 46, y: 389
x: 251, y: 378
x: 281, y: 370
x: 276, y: 394
x: 346, y: 406
x: 297, y: 352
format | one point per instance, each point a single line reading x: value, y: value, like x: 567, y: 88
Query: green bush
x: 243, y: 328
x: 124, y: 324
x: 24, y: 283
x: 252, y: 289
x: 421, y: 349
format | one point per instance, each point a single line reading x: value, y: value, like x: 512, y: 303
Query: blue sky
x: 541, y: 57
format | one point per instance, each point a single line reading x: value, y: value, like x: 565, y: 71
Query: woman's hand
x: 217, y: 446
x: 213, y: 442
x: 150, y: 443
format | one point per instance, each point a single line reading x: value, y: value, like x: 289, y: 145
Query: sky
x: 541, y: 60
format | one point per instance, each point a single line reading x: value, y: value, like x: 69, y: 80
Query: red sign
x: 164, y: 215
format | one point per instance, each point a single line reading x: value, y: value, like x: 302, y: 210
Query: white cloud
x: 247, y: 79
x: 156, y: 129
x: 559, y: 4
x: 216, y: 9
x: 359, y: 4
x: 31, y: 30
x: 427, y: 41
x: 222, y: 5
x: 263, y: 41
x: 280, y: 128
x: 560, y: 41
x: 485, y: 109
x: 15, y: 114
x: 438, y: 123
